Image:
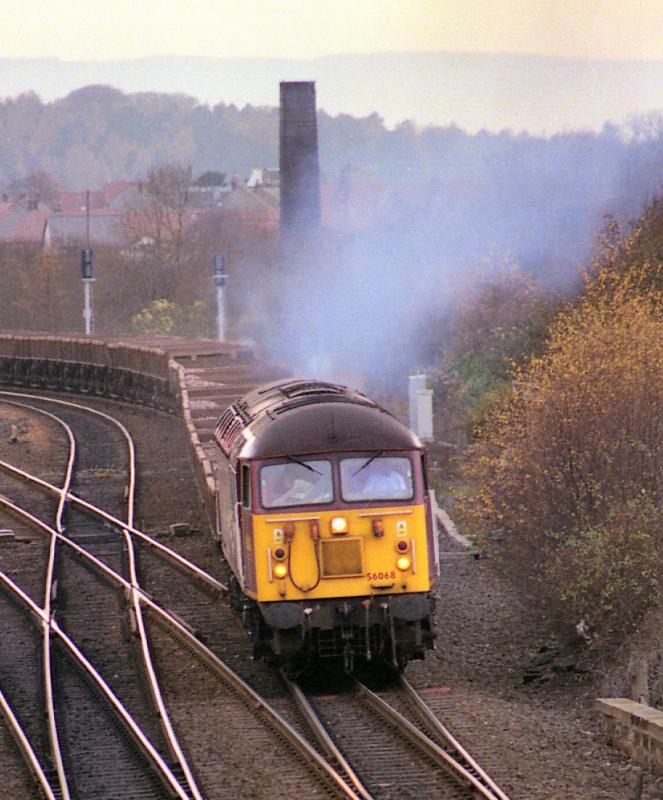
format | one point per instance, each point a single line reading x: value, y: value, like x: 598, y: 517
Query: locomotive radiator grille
x: 341, y: 558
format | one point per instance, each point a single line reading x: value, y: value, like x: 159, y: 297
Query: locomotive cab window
x: 296, y: 483
x: 424, y: 472
x: 376, y: 478
x: 246, y: 486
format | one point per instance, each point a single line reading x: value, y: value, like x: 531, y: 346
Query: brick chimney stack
x: 298, y: 159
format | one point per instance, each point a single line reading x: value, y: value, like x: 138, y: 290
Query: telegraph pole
x: 87, y: 273
x: 220, y: 280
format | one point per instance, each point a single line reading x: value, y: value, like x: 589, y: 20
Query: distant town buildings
x: 351, y: 204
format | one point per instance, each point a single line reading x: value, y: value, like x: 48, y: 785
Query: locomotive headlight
x: 338, y: 526
x: 402, y: 546
x: 403, y: 563
x: 280, y: 571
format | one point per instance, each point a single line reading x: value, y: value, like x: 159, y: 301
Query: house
x: 115, y: 195
x: 72, y: 229
x: 264, y: 177
x: 259, y: 204
x: 22, y: 222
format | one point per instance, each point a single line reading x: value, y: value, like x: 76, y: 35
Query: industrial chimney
x: 298, y: 160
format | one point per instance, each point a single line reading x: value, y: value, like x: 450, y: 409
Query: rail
x: 176, y: 627
x: 54, y: 739
x: 152, y: 680
x: 324, y: 739
x: 95, y: 678
x: 150, y: 672
x: 456, y: 762
x: 164, y: 550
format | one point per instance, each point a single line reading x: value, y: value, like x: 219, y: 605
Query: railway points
x: 110, y: 562
x: 78, y: 602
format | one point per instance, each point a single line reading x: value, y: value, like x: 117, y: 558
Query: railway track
x: 22, y: 696
x: 352, y: 734
x: 173, y: 626
x: 404, y: 709
x: 391, y: 745
x: 71, y: 594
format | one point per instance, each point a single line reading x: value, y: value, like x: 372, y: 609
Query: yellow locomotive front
x: 363, y: 531
x: 332, y: 541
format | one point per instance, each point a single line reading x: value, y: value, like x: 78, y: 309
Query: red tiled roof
x: 75, y: 202
x: 29, y: 227
x: 114, y: 188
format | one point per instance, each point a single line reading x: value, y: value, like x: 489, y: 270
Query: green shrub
x: 610, y: 576
x: 167, y: 318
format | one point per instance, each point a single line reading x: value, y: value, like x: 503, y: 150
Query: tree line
x: 532, y: 196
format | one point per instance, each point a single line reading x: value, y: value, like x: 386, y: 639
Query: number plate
x: 386, y: 575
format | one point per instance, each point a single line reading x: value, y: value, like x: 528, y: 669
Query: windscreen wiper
x: 304, y: 464
x: 370, y: 461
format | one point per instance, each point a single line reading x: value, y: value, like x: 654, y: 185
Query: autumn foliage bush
x: 496, y: 322
x: 569, y: 467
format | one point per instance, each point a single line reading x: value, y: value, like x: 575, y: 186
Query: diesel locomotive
x: 325, y: 519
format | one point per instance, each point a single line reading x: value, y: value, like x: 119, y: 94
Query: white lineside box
x: 421, y: 406
x: 424, y: 400
x: 415, y: 383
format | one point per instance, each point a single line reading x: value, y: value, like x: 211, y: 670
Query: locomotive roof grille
x: 324, y: 417
x: 241, y: 408
x: 311, y: 399
x: 312, y: 387
x: 229, y: 428
x: 226, y: 418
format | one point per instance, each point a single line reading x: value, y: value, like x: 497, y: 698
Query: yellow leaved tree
x: 569, y: 468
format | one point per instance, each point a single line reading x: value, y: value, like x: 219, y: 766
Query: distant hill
x: 473, y: 91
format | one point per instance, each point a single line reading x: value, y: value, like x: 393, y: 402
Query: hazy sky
x: 110, y: 29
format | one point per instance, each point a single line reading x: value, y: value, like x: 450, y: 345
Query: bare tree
x: 155, y: 228
x: 49, y: 294
x: 37, y: 187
